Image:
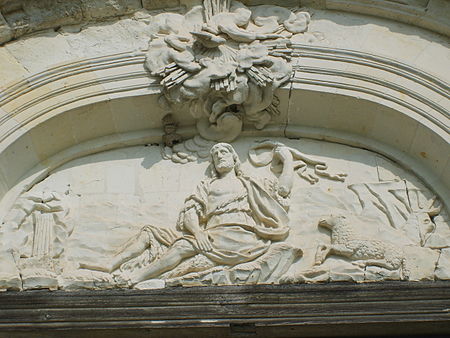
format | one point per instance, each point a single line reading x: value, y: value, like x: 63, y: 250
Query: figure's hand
x: 208, y: 28
x: 44, y: 207
x: 361, y: 264
x: 208, y: 39
x: 203, y: 241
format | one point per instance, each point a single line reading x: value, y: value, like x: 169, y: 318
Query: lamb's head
x: 330, y: 221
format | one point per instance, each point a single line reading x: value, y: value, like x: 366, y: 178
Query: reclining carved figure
x: 230, y: 219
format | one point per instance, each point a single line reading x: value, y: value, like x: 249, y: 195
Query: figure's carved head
x: 224, y: 159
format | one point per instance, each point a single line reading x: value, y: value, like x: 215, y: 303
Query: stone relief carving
x: 37, y: 228
x: 363, y: 251
x: 251, y: 220
x: 170, y: 137
x: 402, y: 207
x: 40, y: 219
x: 187, y: 151
x: 301, y: 163
x: 231, y: 221
x: 224, y: 61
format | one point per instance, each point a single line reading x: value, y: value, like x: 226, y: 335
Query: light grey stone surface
x: 77, y: 87
x: 124, y: 234
x: 99, y: 9
x: 443, y: 270
x: 9, y: 275
x: 30, y: 16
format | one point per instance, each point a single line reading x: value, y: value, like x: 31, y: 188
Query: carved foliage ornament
x: 224, y: 61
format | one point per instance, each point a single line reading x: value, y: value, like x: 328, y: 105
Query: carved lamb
x: 345, y: 242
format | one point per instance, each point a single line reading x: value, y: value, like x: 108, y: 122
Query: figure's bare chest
x: 224, y: 188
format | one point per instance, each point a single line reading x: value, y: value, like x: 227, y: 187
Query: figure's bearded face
x: 223, y: 160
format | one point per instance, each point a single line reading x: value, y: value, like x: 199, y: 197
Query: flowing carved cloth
x: 241, y: 228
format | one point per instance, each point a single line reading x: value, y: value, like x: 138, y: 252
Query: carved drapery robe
x: 240, y: 225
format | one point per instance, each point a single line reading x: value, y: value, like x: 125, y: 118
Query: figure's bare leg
x: 180, y: 250
x: 133, y: 248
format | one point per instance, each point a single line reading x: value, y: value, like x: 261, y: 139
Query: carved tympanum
x: 283, y: 215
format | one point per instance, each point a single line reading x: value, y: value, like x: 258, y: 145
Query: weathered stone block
x: 375, y: 273
x: 420, y: 263
x: 5, y: 31
x: 160, y: 4
x: 29, y: 16
x: 101, y: 8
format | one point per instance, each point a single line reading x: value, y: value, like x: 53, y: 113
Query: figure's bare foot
x: 122, y: 279
x: 101, y: 265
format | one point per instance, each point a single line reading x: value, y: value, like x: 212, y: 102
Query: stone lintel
x: 367, y: 309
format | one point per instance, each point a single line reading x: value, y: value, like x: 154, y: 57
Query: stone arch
x: 98, y: 103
